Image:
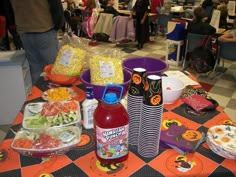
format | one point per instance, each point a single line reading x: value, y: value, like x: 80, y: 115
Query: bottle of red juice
x: 111, y: 125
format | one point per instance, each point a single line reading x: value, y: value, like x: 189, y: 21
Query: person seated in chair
x: 230, y: 36
x: 199, y: 24
x: 110, y: 9
x: 103, y: 3
x: 72, y: 15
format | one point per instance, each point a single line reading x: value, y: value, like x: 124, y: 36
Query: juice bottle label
x: 112, y: 143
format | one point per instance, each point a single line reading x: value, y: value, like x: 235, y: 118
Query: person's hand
x: 16, y: 39
x: 17, y: 42
x: 204, y: 19
x: 130, y: 17
x: 142, y: 21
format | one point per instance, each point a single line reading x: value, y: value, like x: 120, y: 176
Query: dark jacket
x: 57, y: 12
x: 111, y: 10
x: 199, y: 27
x: 207, y: 3
x: 223, y: 16
x: 7, y: 11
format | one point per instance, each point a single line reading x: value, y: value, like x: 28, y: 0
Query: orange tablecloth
x: 81, y: 161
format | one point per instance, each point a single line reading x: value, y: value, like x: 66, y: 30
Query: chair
x: 226, y: 51
x: 192, y: 41
x: 104, y: 23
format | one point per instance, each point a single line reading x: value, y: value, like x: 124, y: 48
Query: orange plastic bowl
x: 57, y: 78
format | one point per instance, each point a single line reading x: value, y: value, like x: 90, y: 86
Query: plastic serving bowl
x: 57, y: 78
x: 152, y: 65
x: 172, y: 89
x: 46, y: 142
x: 99, y: 89
x: 221, y: 140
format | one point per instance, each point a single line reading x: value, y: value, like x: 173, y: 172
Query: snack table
x: 81, y: 161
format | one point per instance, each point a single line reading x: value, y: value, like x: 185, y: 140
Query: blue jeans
x: 41, y: 49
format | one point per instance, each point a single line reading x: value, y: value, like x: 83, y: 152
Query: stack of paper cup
x: 134, y: 103
x: 151, y: 117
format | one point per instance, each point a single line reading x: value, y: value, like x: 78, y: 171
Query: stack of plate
x: 221, y: 139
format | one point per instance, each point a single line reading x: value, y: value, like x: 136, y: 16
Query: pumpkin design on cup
x: 155, y: 100
x: 137, y: 79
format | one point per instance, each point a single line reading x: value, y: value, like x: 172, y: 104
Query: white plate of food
x: 59, y: 94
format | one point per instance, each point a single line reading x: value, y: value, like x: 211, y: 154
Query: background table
x: 82, y: 162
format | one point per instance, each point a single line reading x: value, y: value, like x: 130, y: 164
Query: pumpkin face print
x: 229, y: 122
x: 85, y: 139
x: 155, y: 100
x: 136, y: 79
x: 192, y: 135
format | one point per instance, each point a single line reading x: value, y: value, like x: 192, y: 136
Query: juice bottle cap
x: 110, y: 98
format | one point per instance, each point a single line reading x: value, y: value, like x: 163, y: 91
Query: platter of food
x: 46, y: 142
x: 59, y: 94
x: 51, y: 114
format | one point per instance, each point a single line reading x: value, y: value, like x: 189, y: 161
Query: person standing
x: 72, y: 15
x: 142, y: 25
x: 154, y: 4
x: 222, y: 7
x: 208, y: 6
x: 37, y: 22
x: 7, y: 13
x: 87, y: 10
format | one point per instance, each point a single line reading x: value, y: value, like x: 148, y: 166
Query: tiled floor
x: 224, y: 85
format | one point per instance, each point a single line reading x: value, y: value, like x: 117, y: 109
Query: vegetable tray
x: 51, y: 114
x: 46, y: 142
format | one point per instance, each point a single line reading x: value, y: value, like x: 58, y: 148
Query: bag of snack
x: 69, y: 61
x: 71, y: 57
x: 106, y: 68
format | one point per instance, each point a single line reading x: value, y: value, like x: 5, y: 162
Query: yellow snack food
x: 59, y: 94
x: 69, y: 61
x: 106, y: 70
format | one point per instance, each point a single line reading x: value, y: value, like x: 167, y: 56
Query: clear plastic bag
x: 106, y: 67
x: 71, y: 57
